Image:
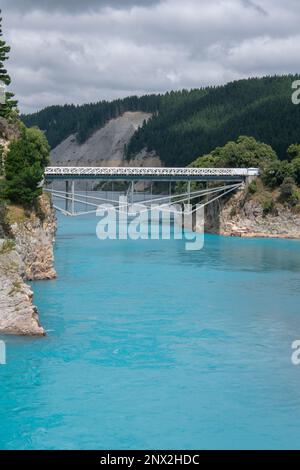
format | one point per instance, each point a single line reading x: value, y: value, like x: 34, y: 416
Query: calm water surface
x: 152, y: 346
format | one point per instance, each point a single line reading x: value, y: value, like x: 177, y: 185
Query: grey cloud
x: 71, y: 6
x: 58, y: 57
x: 256, y: 6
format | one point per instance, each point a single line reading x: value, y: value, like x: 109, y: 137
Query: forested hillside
x: 197, y: 122
x: 187, y: 124
x: 61, y: 121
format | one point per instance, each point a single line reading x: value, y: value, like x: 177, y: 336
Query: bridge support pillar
x: 249, y: 179
x: 67, y: 195
x: 70, y: 197
x: 73, y: 197
x: 132, y: 192
x: 189, y: 192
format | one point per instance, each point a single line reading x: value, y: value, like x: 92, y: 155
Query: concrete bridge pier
x: 70, y: 196
x: 251, y: 176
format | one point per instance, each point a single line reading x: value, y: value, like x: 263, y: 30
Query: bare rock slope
x: 106, y: 146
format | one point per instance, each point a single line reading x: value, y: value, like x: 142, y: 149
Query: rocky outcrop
x: 18, y: 315
x: 243, y: 216
x: 8, y: 131
x: 34, y: 239
x: 28, y: 256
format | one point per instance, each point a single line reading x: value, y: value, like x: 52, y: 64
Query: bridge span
x: 232, y: 179
x: 152, y: 174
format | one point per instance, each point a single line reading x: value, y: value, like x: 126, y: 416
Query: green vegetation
x: 246, y: 152
x: 289, y: 191
x: 4, y: 223
x: 194, y: 123
x: 280, y: 179
x: 268, y: 206
x: 1, y: 160
x: 24, y: 166
x: 7, y: 246
x: 7, y: 110
x: 277, y: 172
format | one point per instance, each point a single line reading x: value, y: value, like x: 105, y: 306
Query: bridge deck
x: 153, y: 174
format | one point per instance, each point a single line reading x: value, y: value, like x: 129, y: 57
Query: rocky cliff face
x: 18, y: 315
x: 34, y: 239
x: 243, y: 216
x: 29, y: 256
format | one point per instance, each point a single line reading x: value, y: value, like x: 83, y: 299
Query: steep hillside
x: 59, y: 122
x: 185, y: 124
x: 105, y: 147
x: 261, y: 108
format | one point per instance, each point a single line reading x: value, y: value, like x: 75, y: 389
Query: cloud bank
x: 63, y: 51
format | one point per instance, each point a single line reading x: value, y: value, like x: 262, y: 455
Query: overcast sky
x: 65, y: 51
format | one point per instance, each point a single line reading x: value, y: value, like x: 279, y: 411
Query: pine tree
x: 7, y: 108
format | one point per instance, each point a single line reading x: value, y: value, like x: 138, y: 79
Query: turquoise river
x: 150, y: 346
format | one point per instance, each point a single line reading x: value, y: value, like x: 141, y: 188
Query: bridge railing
x: 69, y: 171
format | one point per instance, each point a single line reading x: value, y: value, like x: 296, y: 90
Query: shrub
x: 287, y: 187
x: 296, y: 169
x: 268, y: 206
x: 7, y: 246
x: 252, y: 187
x: 294, y: 198
x: 4, y: 224
x: 288, y: 192
x: 1, y: 160
x: 275, y: 173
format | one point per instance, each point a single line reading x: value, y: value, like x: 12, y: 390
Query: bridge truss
x: 232, y: 179
x: 150, y: 173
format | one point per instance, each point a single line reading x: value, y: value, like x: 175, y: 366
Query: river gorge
x: 151, y: 346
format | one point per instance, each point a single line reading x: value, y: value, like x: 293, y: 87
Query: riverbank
x: 249, y: 216
x: 26, y: 254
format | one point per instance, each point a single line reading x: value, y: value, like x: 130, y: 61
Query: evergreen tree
x: 24, y: 166
x: 6, y: 108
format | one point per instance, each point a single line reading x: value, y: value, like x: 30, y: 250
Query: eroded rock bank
x: 18, y: 315
x: 25, y: 254
x: 244, y: 216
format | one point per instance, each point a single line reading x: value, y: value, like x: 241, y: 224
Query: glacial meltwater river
x: 151, y: 346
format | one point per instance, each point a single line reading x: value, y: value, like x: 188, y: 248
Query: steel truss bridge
x: 232, y: 178
x: 153, y: 174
